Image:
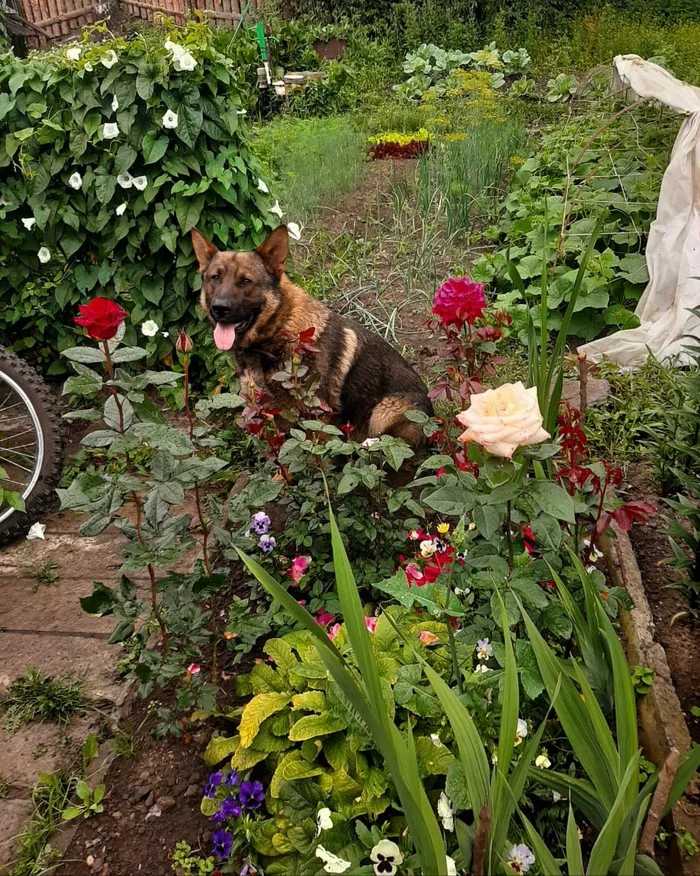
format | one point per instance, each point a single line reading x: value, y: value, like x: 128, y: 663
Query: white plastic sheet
x: 673, y: 248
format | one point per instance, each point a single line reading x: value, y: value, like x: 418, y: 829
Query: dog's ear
x: 274, y: 251
x: 204, y: 250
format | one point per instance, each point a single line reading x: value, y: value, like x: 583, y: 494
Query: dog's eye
x: 215, y: 276
x: 244, y: 281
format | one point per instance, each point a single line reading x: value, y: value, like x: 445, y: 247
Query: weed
x: 90, y: 801
x: 688, y: 844
x: 35, y: 856
x: 4, y: 787
x: 643, y: 679
x: 45, y: 575
x: 35, y: 696
x: 39, y: 751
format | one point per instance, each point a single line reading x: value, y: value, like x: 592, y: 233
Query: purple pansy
x: 230, y: 808
x: 223, y: 843
x: 267, y: 544
x: 212, y: 784
x: 252, y: 795
x: 231, y: 779
x: 260, y: 523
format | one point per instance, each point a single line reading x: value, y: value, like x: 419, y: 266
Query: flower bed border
x: 661, y: 721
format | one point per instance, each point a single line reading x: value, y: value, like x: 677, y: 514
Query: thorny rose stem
x: 136, y: 500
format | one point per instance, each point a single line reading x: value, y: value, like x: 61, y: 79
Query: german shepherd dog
x: 254, y: 308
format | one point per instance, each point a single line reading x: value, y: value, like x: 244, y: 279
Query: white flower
x: 73, y: 53
x: 110, y: 130
x: 149, y: 328
x: 115, y: 104
x: 44, y: 255
x: 385, y: 857
x: 109, y: 59
x: 262, y: 186
x: 88, y: 67
x: 542, y: 761
x: 520, y: 858
x: 76, y: 181
x: 427, y: 548
x: 595, y: 553
x: 332, y: 863
x: 446, y: 812
x: 241, y: 112
x: 170, y: 119
x: 483, y: 668
x: 435, y: 739
x: 520, y: 731
x: 181, y: 58
x: 494, y: 758
x: 462, y: 591
x: 277, y: 210
x: 125, y: 180
x: 324, y: 820
x: 294, y: 230
x: 139, y: 182
x: 37, y: 530
x: 121, y: 209
x: 451, y: 867
x: 556, y: 796
x: 484, y: 650
x: 369, y: 443
x: 29, y: 223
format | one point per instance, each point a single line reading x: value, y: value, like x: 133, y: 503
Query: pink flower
x: 414, y: 574
x: 298, y: 568
x: 193, y: 668
x: 371, y: 624
x: 324, y: 618
x: 459, y: 301
x: 333, y: 631
x: 428, y: 638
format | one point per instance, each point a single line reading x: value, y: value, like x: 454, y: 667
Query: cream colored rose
x: 503, y: 419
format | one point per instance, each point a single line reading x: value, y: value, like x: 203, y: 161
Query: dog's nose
x: 221, y: 309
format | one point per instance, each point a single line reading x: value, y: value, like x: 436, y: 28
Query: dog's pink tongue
x: 224, y: 336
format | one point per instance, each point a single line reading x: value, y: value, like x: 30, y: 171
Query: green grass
x: 35, y: 856
x: 35, y: 696
x: 313, y: 160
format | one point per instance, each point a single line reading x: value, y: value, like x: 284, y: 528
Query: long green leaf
x: 626, y: 866
x: 603, y: 851
x: 544, y: 858
x: 574, y: 858
x: 687, y: 768
x: 511, y: 699
x: 581, y: 792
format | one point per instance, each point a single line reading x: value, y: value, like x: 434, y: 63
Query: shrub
x: 116, y: 155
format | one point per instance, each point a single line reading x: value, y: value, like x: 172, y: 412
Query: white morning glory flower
x: 446, y: 812
x: 109, y: 59
x: 75, y: 181
x: 435, y: 739
x: 520, y: 731
x: 385, y: 857
x: 324, y: 820
x: 44, y: 255
x: 556, y: 796
x: 139, y: 182
x: 332, y: 863
x: 277, y: 210
x: 542, y: 761
x: 181, y: 58
x: 484, y: 650
x: 262, y: 186
x: 115, y: 104
x: 294, y: 230
x: 73, y: 53
x: 170, y: 119
x: 125, y: 180
x: 121, y: 209
x: 36, y: 530
x: 110, y: 130
x: 29, y: 223
x: 149, y: 328
x: 369, y: 443
x: 520, y: 858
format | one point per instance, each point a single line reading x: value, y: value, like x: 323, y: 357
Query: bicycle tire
x: 49, y: 418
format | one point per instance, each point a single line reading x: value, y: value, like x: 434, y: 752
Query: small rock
x: 98, y: 865
x: 141, y: 793
x: 154, y: 812
x: 194, y: 779
x: 148, y: 802
x: 105, y: 870
x: 179, y: 790
x: 165, y: 803
x: 116, y: 815
x: 140, y: 830
x: 145, y: 777
x: 132, y: 816
x: 192, y: 791
x: 89, y: 860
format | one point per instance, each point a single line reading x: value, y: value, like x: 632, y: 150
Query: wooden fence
x: 61, y: 19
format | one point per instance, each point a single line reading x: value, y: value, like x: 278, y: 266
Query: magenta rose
x: 458, y: 301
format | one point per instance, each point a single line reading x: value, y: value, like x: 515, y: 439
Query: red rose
x: 101, y: 318
x: 459, y: 301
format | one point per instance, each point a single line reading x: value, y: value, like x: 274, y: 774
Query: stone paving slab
x: 26, y: 606
x: 13, y: 815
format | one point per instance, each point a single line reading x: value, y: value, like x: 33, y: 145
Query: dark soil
x: 676, y: 630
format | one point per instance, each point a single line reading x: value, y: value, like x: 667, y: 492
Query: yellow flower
x: 443, y: 528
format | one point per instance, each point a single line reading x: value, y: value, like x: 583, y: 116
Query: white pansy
x: 125, y: 180
x: 109, y: 59
x: 520, y: 858
x: 170, y: 119
x: 29, y: 223
x: 595, y: 553
x: 482, y: 668
x: 110, y: 130
x: 446, y: 812
x: 121, y: 209
x: 450, y: 866
x: 323, y: 820
x: 427, y: 548
x: 262, y: 186
x: 73, y: 53
x: 332, y: 863
x: 542, y: 761
x: 385, y: 857
x: 115, y: 104
x: 294, y: 230
x: 88, y: 67
x: 37, y: 530
x: 520, y: 731
x: 277, y: 210
x: 44, y: 255
x: 75, y: 181
x: 149, y: 328
x: 435, y: 739
x: 484, y: 650
x: 139, y: 182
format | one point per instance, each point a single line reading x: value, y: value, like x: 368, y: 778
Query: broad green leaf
x: 260, y: 707
x: 552, y: 499
x: 313, y: 726
x: 219, y: 748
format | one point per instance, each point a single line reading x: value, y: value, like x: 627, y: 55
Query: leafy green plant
x: 38, y: 696
x: 50, y: 796
x: 642, y: 679
x: 522, y: 87
x: 90, y: 801
x: 10, y: 497
x: 561, y: 88
x: 191, y: 864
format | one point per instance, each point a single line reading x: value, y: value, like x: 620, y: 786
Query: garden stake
x: 482, y: 832
x: 658, y: 803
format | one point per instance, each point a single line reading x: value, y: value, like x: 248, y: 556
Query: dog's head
x: 240, y: 287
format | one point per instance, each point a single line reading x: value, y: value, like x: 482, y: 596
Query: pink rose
x: 371, y: 624
x: 458, y: 301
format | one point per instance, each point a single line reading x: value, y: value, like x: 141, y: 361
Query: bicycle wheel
x: 31, y: 442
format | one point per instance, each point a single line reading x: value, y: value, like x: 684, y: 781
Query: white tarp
x: 673, y: 249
